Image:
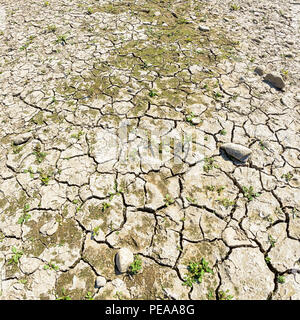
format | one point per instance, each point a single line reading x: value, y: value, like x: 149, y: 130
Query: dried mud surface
x: 72, y: 72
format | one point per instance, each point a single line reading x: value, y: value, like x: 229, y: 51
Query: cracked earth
x: 73, y: 72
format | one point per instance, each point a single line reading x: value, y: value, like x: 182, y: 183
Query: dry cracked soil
x: 113, y: 116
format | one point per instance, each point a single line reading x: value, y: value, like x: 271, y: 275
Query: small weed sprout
x: 90, y: 11
x: 168, y: 200
x: 64, y: 295
x: 225, y: 202
x: 16, y: 256
x: 89, y: 296
x: 196, y: 271
x: 152, y: 93
x: 105, y: 206
x: 136, y: 266
x: 249, y: 193
x: 280, y: 279
x: 224, y: 295
x: 287, y: 176
x: 223, y: 132
x: 209, y: 164
x: 234, y: 7
x: 62, y: 39
x: 272, y: 241
x: 52, y: 266
x: 26, y: 216
x: 95, y: 231
x: 40, y: 156
x: 267, y: 259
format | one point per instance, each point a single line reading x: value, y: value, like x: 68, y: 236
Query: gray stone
x: 204, y: 28
x: 124, y: 258
x: 275, y: 79
x: 49, y: 228
x: 259, y: 70
x: 21, y: 139
x: 237, y: 151
x: 100, y: 282
x: 29, y: 265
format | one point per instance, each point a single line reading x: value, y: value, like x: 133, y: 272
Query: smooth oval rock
x: 237, y: 151
x: 124, y: 258
x: 204, y: 28
x: 275, y: 79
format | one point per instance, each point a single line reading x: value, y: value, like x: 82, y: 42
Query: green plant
x: 249, y: 193
x: 196, y: 271
x: 51, y: 28
x: 136, y: 266
x: 17, y: 149
x: 234, y: 7
x: 223, y: 132
x: 189, y: 117
x: 44, y: 177
x: 267, y: 259
x: 210, y: 294
x: 284, y: 73
x: 77, y: 135
x: 16, y: 256
x: 272, y: 241
x: 262, y: 145
x: 105, y: 205
x: 89, y: 296
x: 23, y: 281
x: 26, y: 216
x: 90, y: 10
x: 209, y: 164
x: 168, y: 200
x: 30, y: 171
x: 287, y: 176
x: 280, y: 279
x: 64, y: 295
x: 62, y: 39
x: 95, y: 231
x: 52, y: 266
x: 182, y: 21
x: 224, y: 295
x: 218, y: 95
x: 191, y: 200
x: 225, y: 202
x: 40, y: 156
x: 210, y: 188
x: 152, y: 93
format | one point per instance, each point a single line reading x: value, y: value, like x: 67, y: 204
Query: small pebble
x: 204, y: 28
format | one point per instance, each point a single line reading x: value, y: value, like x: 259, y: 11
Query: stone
x: 204, y: 28
x: 124, y: 258
x: 259, y: 70
x: 49, y: 228
x: 275, y: 79
x: 237, y: 151
x: 21, y: 139
x: 100, y: 282
x: 29, y: 265
x: 196, y: 120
